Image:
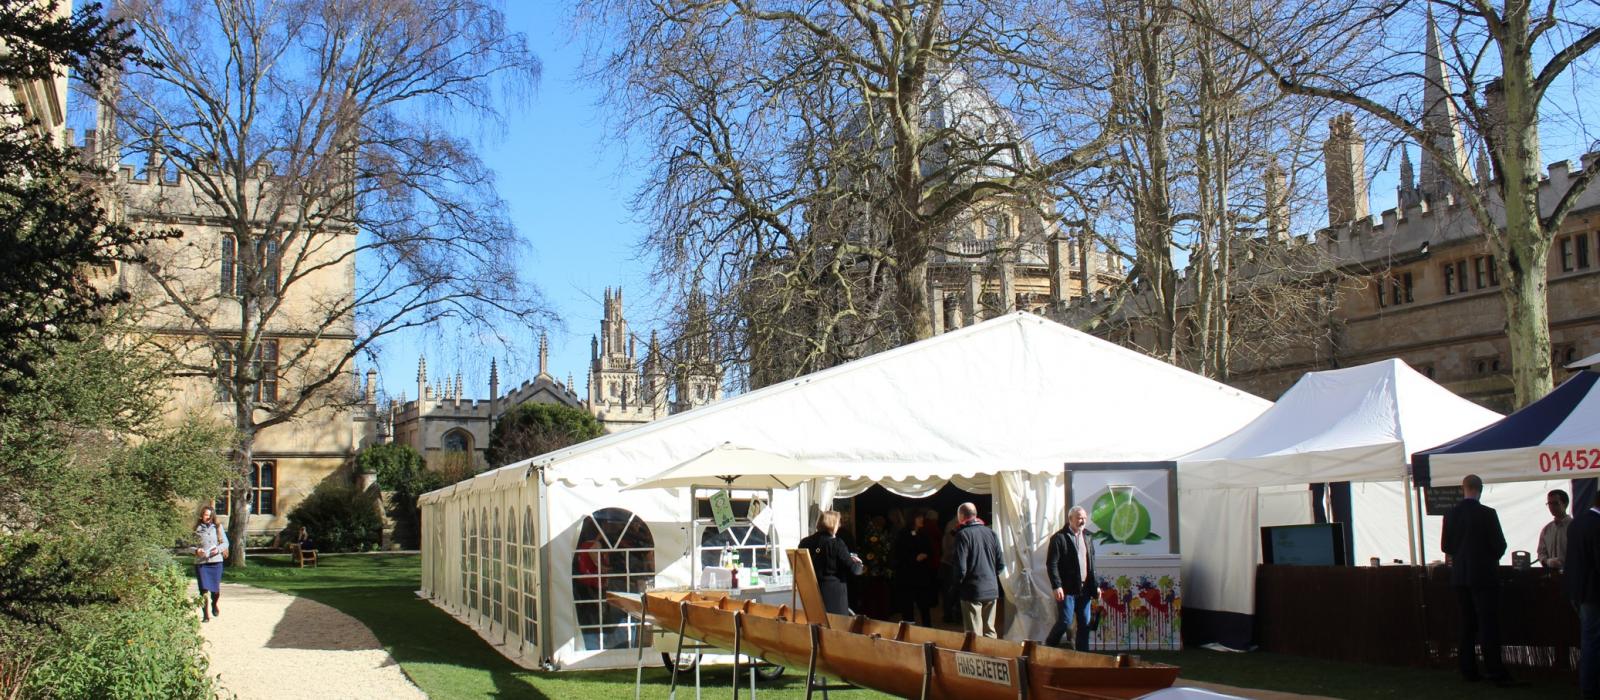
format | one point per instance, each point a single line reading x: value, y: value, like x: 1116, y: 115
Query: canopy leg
x: 677, y: 656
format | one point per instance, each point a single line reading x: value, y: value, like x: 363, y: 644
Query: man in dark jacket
x: 1071, y: 567
x: 1582, y: 562
x: 976, y: 570
x: 1474, y: 543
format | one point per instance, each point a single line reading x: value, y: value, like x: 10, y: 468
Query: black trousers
x: 1480, y: 624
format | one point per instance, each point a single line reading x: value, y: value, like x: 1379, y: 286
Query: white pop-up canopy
x: 1355, y: 424
x: 998, y: 407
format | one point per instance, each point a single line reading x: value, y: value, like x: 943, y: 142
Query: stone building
x: 624, y: 391
x: 1419, y: 282
x: 190, y: 310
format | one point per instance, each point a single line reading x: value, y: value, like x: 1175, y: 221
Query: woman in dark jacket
x: 833, y: 562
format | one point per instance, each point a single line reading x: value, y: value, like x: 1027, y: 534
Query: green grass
x: 448, y: 660
x: 444, y: 657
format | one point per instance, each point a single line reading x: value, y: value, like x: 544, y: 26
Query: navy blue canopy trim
x: 1525, y: 428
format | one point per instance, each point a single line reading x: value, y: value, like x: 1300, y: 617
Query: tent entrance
x: 875, y: 520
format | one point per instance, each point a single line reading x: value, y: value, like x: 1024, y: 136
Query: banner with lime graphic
x: 1129, y: 509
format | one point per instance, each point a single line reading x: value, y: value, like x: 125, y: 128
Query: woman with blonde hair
x: 832, y: 561
x: 210, y: 549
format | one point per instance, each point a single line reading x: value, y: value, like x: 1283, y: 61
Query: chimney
x: 1345, y: 155
x: 1277, y: 204
x: 372, y: 387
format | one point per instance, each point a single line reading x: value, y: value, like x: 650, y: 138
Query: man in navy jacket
x: 1474, y: 543
x: 976, y: 568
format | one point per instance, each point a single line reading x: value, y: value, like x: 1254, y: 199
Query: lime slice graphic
x: 1125, y: 521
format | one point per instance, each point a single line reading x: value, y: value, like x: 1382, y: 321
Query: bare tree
x: 312, y: 154
x: 1205, y: 189
x: 810, y: 158
x: 1494, y: 66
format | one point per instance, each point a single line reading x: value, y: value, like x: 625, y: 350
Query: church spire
x: 1440, y: 122
x: 544, y: 355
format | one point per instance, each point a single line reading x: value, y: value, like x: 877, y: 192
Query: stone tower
x: 1345, y: 156
x: 614, y: 381
x: 699, y: 380
x: 1442, y: 125
x: 1277, y: 203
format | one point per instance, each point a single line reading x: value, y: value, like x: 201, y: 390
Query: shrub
x: 533, y: 429
x: 339, y: 518
x: 142, y: 647
x: 402, y: 474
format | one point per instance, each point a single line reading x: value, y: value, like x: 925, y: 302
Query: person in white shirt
x: 1553, y: 538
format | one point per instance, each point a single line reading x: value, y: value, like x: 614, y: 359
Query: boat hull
x: 899, y: 658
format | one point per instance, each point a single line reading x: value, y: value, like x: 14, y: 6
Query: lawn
x: 450, y: 661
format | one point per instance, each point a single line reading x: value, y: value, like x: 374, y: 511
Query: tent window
x: 472, y: 564
x: 744, y: 538
x: 512, y: 557
x: 615, y: 552
x: 482, y: 585
x: 497, y: 600
x: 530, y: 585
x: 463, y: 568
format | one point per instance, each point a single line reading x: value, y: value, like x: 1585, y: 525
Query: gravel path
x: 271, y: 645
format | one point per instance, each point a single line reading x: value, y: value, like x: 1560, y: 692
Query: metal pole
x: 738, y: 637
x: 811, y: 666
x: 677, y: 656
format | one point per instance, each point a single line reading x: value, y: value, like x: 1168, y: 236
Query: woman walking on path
x: 211, y: 548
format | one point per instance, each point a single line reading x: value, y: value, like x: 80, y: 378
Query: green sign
x: 722, y: 510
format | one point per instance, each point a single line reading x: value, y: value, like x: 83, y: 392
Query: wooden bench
x: 302, y: 557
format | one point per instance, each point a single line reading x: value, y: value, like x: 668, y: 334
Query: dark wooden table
x: 1406, y: 615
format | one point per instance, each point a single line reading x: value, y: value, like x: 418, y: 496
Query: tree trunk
x: 1525, y: 245
x: 239, y: 502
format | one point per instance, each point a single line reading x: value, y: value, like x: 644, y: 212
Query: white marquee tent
x: 998, y: 408
x: 1358, y: 424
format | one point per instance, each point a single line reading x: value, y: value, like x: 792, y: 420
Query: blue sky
x: 568, y: 188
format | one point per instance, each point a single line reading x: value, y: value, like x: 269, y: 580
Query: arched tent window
x: 615, y: 552
x: 465, y: 537
x: 456, y: 440
x: 483, y: 560
x: 530, y: 585
x: 497, y: 600
x: 472, y: 563
x: 513, y: 577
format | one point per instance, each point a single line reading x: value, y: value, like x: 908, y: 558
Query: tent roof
x: 1556, y: 437
x: 1014, y: 393
x: 1353, y: 424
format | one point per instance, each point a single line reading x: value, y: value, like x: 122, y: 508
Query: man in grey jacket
x: 976, y: 569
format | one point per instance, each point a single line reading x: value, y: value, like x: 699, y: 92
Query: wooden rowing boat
x: 897, y: 658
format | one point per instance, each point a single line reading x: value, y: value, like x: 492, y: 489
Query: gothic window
x: 233, y: 281
x: 263, y: 490
x: 1565, y: 246
x: 1449, y: 278
x: 1484, y: 273
x: 530, y: 583
x: 266, y: 366
x: 229, y: 284
x: 456, y: 441
x: 615, y: 552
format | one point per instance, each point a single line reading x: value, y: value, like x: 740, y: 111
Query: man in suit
x: 1071, y: 567
x: 1582, y: 564
x: 1473, y: 544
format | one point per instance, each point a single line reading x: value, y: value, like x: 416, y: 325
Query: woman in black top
x: 833, y: 562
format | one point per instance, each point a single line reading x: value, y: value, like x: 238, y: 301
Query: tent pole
x: 1422, y: 534
x: 1411, y: 522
